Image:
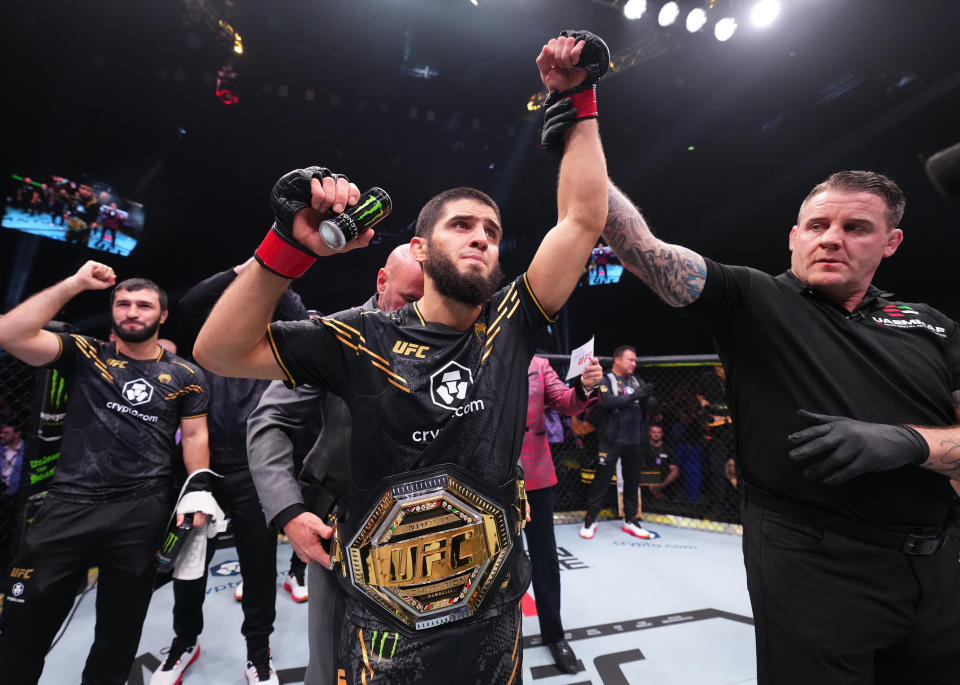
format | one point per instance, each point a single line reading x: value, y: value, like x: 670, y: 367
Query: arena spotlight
x: 668, y: 14
x: 725, y: 28
x: 634, y: 9
x: 764, y: 12
x: 696, y: 19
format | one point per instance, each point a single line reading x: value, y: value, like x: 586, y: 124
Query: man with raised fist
x: 111, y: 495
x: 425, y: 542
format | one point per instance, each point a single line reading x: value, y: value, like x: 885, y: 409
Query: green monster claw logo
x: 57, y: 395
x: 169, y: 542
x: 383, y: 639
x: 375, y: 209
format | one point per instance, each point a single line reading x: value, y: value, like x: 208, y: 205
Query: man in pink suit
x: 547, y: 390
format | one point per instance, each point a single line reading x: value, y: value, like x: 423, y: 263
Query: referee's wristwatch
x: 585, y: 390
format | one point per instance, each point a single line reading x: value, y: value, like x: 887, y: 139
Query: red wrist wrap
x: 282, y: 258
x: 586, y: 103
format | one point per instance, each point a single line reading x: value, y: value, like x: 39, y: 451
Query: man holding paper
x: 547, y: 390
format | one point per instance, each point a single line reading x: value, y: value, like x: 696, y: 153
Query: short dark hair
x: 617, y: 353
x: 866, y: 182
x: 134, y: 284
x: 430, y: 214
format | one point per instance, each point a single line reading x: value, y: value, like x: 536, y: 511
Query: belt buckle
x: 922, y: 545
x: 429, y: 552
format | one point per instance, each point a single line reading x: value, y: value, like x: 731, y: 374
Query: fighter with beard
x: 110, y: 496
x: 427, y: 545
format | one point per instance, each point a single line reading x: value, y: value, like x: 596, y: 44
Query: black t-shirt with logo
x: 658, y: 459
x: 122, y: 418
x: 410, y: 383
x: 785, y: 348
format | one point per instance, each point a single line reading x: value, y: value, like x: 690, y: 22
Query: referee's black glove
x: 837, y: 449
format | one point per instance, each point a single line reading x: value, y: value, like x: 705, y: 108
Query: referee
x: 110, y: 497
x: 846, y: 438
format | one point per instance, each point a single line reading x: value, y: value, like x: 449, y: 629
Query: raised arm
x: 675, y: 273
x: 234, y: 341
x: 21, y: 329
x: 581, y: 188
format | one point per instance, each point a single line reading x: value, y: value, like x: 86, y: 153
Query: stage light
x: 764, y: 12
x: 237, y: 44
x: 725, y: 28
x: 634, y: 9
x: 668, y: 14
x: 696, y: 19
x: 474, y: 3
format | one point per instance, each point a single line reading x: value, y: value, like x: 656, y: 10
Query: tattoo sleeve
x: 673, y: 272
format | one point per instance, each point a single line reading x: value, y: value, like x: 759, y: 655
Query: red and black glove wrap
x: 280, y: 252
x: 562, y: 109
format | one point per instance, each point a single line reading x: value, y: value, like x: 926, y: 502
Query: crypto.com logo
x: 449, y: 385
x: 137, y: 392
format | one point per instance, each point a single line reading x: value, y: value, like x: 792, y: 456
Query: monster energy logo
x: 169, y: 542
x: 57, y: 394
x: 384, y: 637
x: 374, y: 212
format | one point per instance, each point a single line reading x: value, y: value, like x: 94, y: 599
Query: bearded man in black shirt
x: 845, y: 435
x: 110, y: 496
x: 427, y: 544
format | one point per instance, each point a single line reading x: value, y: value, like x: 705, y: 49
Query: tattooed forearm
x: 675, y: 273
x: 947, y: 461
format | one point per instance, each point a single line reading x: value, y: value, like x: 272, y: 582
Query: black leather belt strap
x: 920, y: 543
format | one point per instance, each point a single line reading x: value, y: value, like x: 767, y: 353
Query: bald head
x: 400, y: 280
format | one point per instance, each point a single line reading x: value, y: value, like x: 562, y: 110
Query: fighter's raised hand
x: 558, y: 63
x: 95, y: 276
x: 328, y: 197
x: 301, y: 199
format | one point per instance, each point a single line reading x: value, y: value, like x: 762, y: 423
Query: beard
x: 136, y: 336
x: 466, y: 288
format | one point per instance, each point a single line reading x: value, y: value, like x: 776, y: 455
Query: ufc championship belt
x: 432, y: 547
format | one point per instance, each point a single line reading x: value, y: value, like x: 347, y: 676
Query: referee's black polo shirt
x: 785, y: 348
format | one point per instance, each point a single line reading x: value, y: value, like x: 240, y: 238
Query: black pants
x: 369, y: 651
x: 257, y: 551
x: 631, y: 462
x: 542, y: 549
x: 829, y: 609
x: 64, y: 540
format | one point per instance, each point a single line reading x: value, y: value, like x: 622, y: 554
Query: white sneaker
x: 587, y: 532
x: 177, y: 661
x: 238, y: 592
x: 636, y: 530
x: 262, y: 672
x: 296, y: 587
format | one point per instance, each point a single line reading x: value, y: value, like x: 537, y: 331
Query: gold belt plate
x: 429, y: 552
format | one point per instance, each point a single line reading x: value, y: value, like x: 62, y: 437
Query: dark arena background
x: 180, y: 115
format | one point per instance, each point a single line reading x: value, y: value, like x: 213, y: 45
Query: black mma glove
x: 838, y: 448
x: 562, y: 109
x: 558, y: 115
x: 594, y: 58
x: 280, y: 252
